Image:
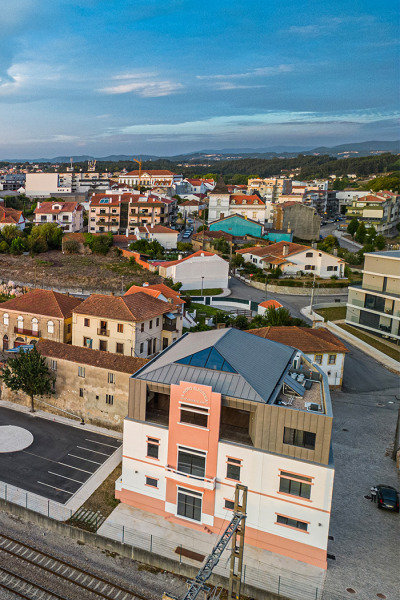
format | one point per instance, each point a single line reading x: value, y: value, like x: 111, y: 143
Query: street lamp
x: 202, y: 279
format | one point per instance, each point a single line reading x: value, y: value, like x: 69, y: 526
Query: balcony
x: 178, y: 476
x: 29, y: 332
x: 170, y: 326
x: 101, y: 331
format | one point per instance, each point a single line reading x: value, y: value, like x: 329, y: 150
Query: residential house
x: 271, y: 188
x: 67, y: 215
x: 200, y: 270
x: 218, y: 202
x: 146, y: 211
x: 303, y: 221
x: 319, y: 345
x: 224, y: 407
x: 380, y: 210
x: 39, y: 313
x: 191, y: 207
x: 133, y: 325
x: 250, y: 207
x: 109, y: 213
x: 375, y: 305
x: 10, y: 216
x: 160, y: 291
x: 294, y: 258
x: 265, y: 305
x: 168, y: 238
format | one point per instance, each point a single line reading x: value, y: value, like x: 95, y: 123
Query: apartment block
x: 380, y: 210
x: 66, y: 215
x: 375, y: 304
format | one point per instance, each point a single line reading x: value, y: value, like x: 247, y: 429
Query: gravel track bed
x: 122, y: 571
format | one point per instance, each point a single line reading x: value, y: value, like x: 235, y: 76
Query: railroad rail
x: 97, y: 586
x: 23, y: 588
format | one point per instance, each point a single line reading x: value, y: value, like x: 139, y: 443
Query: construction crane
x: 235, y: 532
x: 139, y: 162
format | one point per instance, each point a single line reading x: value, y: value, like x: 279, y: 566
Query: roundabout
x: 14, y: 439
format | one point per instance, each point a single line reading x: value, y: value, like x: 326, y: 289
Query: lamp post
x: 266, y: 282
x: 202, y: 279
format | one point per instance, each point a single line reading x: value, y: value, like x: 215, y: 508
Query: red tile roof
x: 86, y: 356
x: 43, y: 302
x: 156, y: 291
x: 10, y: 215
x: 243, y: 199
x: 134, y: 307
x: 151, y: 173
x: 303, y: 338
x: 269, y: 303
x: 156, y: 229
x: 49, y: 207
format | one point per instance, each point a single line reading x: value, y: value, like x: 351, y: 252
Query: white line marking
x: 56, y: 488
x: 76, y: 468
x: 63, y: 476
x: 102, y: 443
x: 95, y: 451
x: 81, y: 458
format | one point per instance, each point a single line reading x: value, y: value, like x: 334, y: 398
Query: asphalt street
x: 60, y: 460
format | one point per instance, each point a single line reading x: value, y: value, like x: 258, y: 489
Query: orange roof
x: 49, y: 207
x: 243, y: 199
x: 156, y: 229
x: 134, y: 307
x: 43, y: 302
x: 276, y: 250
x: 156, y: 291
x: 151, y: 173
x: 10, y: 215
x: 303, y: 338
x: 269, y: 303
x: 371, y: 198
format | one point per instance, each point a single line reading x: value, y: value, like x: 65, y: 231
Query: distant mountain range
x: 341, y: 151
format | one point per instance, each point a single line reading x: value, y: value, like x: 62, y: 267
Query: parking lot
x: 60, y: 460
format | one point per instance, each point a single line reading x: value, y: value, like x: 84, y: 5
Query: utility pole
x: 266, y: 283
x: 396, y: 442
x: 312, y: 297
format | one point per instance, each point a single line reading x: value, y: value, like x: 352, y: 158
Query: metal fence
x: 293, y: 585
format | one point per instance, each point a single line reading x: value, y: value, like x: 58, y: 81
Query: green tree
x: 361, y: 233
x: 4, y: 247
x: 352, y: 226
x: 278, y: 316
x: 50, y: 232
x: 10, y: 232
x: 184, y: 246
x: 241, y: 322
x: 17, y: 246
x: 237, y: 261
x: 380, y: 242
x: 28, y: 373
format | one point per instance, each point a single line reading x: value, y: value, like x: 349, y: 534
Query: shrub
x: 71, y: 247
x: 4, y: 247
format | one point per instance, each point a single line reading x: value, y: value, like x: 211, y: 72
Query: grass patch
x: 103, y: 499
x: 372, y: 341
x: 334, y: 313
x: 206, y: 292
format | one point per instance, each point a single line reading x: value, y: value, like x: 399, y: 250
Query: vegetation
x: 28, y: 373
x: 334, y: 313
x: 206, y: 292
x: 99, y: 244
x: 372, y: 341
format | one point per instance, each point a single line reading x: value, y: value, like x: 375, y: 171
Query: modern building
x: 319, y: 345
x: 66, y: 215
x: 197, y: 271
x: 44, y: 185
x: 133, y: 325
x: 380, y: 210
x: 270, y: 189
x: 375, y: 305
x: 37, y: 314
x: 224, y: 407
x: 123, y: 212
x: 293, y: 259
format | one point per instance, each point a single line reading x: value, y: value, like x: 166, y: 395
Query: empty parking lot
x: 60, y: 460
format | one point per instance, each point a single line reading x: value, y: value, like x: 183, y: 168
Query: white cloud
x: 258, y: 72
x: 143, y: 84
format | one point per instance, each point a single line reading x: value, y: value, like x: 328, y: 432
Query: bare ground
x: 74, y: 271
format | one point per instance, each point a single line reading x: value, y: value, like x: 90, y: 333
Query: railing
x: 105, y: 332
x: 169, y: 326
x: 30, y: 332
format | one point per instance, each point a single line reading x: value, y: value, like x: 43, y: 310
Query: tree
x: 241, y: 322
x: 10, y: 232
x: 352, y: 226
x: 278, y: 316
x: 28, y: 373
x: 380, y: 242
x: 361, y: 233
x: 50, y: 233
x: 17, y: 246
x: 237, y: 261
x: 184, y: 246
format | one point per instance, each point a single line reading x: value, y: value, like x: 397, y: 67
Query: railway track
x: 95, y: 586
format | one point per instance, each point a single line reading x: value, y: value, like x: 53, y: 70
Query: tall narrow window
x: 50, y: 327
x: 153, y: 445
x: 189, y: 504
x: 233, y: 466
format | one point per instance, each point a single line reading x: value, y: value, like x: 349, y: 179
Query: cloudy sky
x: 150, y: 77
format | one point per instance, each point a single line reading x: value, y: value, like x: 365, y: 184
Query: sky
x: 148, y: 77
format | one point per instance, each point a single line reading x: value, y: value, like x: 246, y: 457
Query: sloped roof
x: 10, y: 215
x: 197, y: 254
x: 155, y: 291
x: 94, y: 358
x: 236, y: 216
x: 260, y: 364
x: 134, y: 307
x: 243, y: 200
x: 151, y: 173
x: 220, y: 187
x: 43, y: 302
x: 269, y: 303
x: 275, y: 250
x: 303, y: 338
x: 52, y: 207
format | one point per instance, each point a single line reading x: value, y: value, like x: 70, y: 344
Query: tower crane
x: 235, y: 532
x: 140, y: 170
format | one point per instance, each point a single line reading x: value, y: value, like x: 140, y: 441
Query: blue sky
x: 150, y: 77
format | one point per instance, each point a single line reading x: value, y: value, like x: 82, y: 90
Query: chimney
x: 146, y: 284
x: 38, y: 205
x: 314, y: 245
x: 179, y: 256
x: 285, y: 250
x: 202, y: 254
x: 335, y: 252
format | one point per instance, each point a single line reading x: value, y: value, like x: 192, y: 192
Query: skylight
x: 209, y: 358
x: 104, y: 200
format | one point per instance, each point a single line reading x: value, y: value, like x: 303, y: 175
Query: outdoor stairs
x: 88, y: 518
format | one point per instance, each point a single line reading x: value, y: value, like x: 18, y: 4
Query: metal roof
x: 260, y: 364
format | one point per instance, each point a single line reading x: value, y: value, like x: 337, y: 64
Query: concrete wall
x: 295, y: 291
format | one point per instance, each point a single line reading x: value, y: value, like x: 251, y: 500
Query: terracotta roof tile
x: 49, y: 207
x: 10, y: 215
x: 303, y: 338
x: 43, y: 302
x: 151, y: 173
x: 155, y: 291
x: 86, y: 356
x: 243, y: 200
x: 269, y: 303
x: 134, y: 307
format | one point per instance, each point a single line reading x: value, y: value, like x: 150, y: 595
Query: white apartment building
x: 67, y: 215
x: 44, y: 185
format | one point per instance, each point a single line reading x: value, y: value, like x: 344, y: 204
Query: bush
x: 71, y: 247
x: 4, y: 247
x: 99, y: 244
x: 17, y: 246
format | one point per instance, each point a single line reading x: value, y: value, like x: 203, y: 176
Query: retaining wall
x: 296, y: 291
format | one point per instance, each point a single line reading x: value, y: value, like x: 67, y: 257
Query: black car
x: 387, y: 497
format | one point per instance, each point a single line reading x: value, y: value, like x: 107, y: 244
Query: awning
x: 170, y: 315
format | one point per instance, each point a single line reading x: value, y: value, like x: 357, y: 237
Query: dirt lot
x: 93, y: 272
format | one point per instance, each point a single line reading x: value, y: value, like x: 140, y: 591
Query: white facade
x: 44, y: 185
x: 168, y: 238
x: 218, y: 206
x: 202, y: 269
x: 67, y: 215
x: 332, y: 364
x: 310, y: 260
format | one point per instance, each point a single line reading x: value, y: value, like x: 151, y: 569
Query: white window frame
x: 50, y: 326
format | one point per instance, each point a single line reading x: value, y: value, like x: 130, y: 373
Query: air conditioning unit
x: 297, y: 361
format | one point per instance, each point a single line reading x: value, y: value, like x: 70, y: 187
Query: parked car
x: 387, y: 497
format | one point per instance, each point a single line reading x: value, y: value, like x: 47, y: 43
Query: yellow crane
x: 139, y: 162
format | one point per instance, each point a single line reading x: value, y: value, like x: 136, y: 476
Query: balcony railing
x: 169, y: 326
x: 30, y: 332
x: 101, y: 331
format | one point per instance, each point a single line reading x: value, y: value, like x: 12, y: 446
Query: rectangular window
x: 153, y: 445
x: 150, y: 324
x: 87, y: 342
x: 309, y: 254
x: 330, y: 268
x: 152, y: 482
x: 189, y: 504
x: 81, y: 392
x: 300, y: 438
x: 142, y: 327
x: 81, y: 371
x: 69, y: 328
x: 53, y: 365
x: 86, y: 322
x: 120, y: 328
x: 111, y: 378
x: 103, y: 345
x: 309, y: 268
x: 233, y: 468
x: 229, y: 504
x: 332, y: 359
x: 154, y: 345
x: 141, y: 348
x: 157, y: 322
x: 109, y: 399
x: 318, y: 359
x: 295, y: 485
x: 192, y: 462
x: 194, y: 415
x: 291, y: 522
x: 119, y: 348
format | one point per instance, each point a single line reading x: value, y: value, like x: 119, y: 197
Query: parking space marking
x: 102, y: 443
x: 76, y: 468
x: 81, y: 458
x: 69, y: 478
x: 56, y: 488
x: 95, y: 451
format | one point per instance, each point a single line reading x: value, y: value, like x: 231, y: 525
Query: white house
x: 191, y: 207
x: 67, y: 215
x: 168, y: 238
x: 200, y: 270
x: 292, y: 258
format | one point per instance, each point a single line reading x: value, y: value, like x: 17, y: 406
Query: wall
x: 302, y: 220
x: 212, y: 268
x: 237, y: 227
x: 295, y: 291
x: 79, y: 331
x: 57, y: 336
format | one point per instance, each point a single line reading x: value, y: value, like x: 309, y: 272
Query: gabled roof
x: 198, y: 254
x: 156, y: 293
x: 303, y: 338
x: 242, y: 199
x: 220, y: 187
x: 56, y: 207
x: 86, y: 356
x: 156, y: 229
x: 257, y: 366
x: 43, y: 302
x: 275, y: 250
x: 371, y: 198
x: 10, y: 215
x: 236, y: 216
x: 134, y: 307
x: 269, y: 303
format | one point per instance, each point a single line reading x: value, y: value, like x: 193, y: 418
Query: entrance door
x: 5, y: 343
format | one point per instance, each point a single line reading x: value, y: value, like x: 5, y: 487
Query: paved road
x: 331, y: 229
